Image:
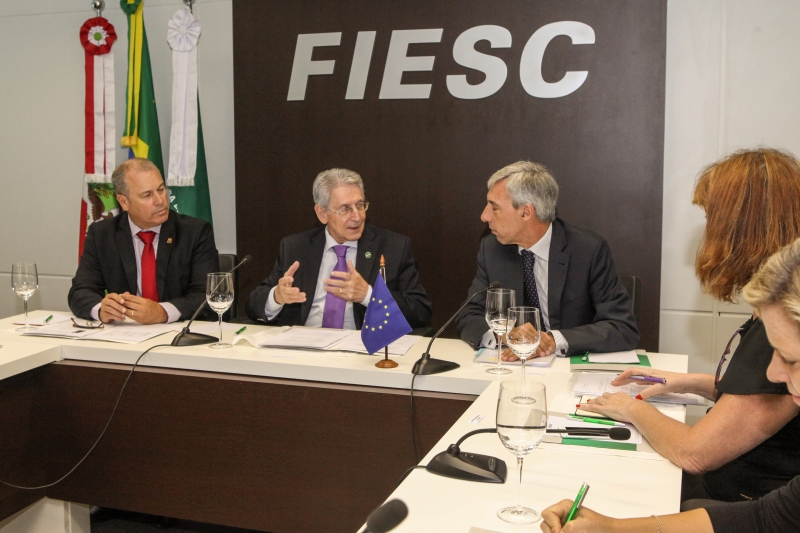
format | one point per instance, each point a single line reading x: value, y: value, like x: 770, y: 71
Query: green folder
x: 579, y: 360
x: 600, y: 444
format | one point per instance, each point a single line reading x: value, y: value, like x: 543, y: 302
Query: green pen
x: 48, y: 319
x: 597, y: 421
x: 241, y: 330
x: 578, y: 502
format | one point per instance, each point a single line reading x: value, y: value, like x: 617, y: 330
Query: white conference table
x: 623, y: 484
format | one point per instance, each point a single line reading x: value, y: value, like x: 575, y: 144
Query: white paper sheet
x: 64, y: 330
x: 628, y: 357
x: 130, y: 332
x: 309, y: 338
x: 597, y: 384
x: 353, y: 343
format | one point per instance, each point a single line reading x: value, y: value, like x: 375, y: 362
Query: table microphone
x: 386, y: 517
x: 186, y: 337
x: 425, y: 365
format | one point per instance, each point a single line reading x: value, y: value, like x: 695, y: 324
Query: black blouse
x: 774, y: 462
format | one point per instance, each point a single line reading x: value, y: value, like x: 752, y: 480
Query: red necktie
x: 149, y: 288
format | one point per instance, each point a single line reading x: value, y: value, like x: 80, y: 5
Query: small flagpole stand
x: 385, y: 362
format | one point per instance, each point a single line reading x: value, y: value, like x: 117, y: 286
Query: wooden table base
x: 259, y: 453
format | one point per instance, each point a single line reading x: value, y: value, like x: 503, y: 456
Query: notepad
x: 597, y: 384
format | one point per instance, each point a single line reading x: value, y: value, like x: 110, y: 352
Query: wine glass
x: 219, y: 294
x: 24, y: 281
x: 521, y: 427
x: 524, y: 338
x: 498, y: 302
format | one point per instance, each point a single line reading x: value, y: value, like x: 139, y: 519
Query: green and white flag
x: 187, y: 175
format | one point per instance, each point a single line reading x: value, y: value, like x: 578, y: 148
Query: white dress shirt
x: 329, y: 260
x: 173, y: 315
x: 541, y: 249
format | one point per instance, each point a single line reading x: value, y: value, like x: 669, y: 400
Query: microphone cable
x: 113, y: 412
x: 413, y: 421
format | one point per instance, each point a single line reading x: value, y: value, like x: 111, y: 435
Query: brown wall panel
x: 425, y: 162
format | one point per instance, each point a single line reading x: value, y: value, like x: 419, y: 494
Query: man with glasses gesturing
x: 323, y: 277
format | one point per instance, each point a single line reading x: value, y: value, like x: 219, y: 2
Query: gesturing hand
x: 284, y: 292
x: 349, y: 286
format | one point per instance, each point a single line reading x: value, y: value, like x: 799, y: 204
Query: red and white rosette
x: 97, y: 35
x: 183, y: 33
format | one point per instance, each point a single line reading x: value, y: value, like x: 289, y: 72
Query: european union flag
x: 383, y: 323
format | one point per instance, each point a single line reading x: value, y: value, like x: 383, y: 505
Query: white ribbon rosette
x: 183, y: 33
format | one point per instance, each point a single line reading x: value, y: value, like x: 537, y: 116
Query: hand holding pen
x: 656, y: 381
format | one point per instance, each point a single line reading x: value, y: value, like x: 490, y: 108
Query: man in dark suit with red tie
x: 147, y: 263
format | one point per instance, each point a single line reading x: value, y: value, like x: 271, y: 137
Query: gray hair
x: 529, y: 183
x: 136, y: 164
x: 778, y: 282
x: 328, y: 180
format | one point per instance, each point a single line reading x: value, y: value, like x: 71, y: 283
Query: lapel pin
x: 169, y: 240
x: 368, y: 255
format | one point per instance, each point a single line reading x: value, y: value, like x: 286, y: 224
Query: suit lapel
x: 516, y: 280
x: 126, y: 253
x: 556, y: 274
x: 309, y: 265
x: 367, y: 265
x: 166, y: 240
x: 368, y: 248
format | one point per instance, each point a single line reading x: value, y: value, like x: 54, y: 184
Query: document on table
x: 488, y: 356
x: 560, y: 422
x: 66, y: 330
x: 353, y: 343
x: 306, y: 338
x: 129, y: 332
x: 598, y: 384
x: 124, y: 332
x: 628, y: 357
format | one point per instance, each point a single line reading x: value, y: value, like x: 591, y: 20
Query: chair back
x: 633, y: 285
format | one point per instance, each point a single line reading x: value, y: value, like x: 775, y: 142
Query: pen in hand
x: 649, y: 379
x: 578, y: 502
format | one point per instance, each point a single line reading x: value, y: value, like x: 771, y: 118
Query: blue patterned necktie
x: 531, y: 294
x: 333, y: 315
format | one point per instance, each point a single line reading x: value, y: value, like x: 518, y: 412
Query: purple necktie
x: 333, y: 315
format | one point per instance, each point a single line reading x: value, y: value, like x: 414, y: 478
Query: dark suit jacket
x: 402, y: 277
x: 585, y: 300
x: 186, y: 253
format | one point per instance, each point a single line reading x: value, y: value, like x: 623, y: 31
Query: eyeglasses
x: 727, y: 351
x: 88, y: 325
x: 347, y: 210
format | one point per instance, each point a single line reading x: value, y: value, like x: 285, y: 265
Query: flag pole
x: 385, y: 362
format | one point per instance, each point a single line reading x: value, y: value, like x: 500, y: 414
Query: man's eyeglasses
x: 88, y: 324
x: 347, y: 210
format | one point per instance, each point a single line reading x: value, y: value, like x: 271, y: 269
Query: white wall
x: 41, y: 128
x: 733, y: 81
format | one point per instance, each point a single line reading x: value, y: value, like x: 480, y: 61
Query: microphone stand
x: 426, y: 365
x: 186, y: 337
